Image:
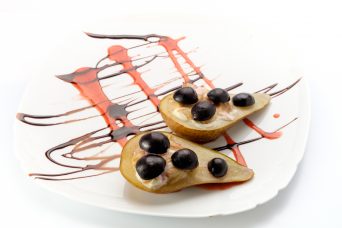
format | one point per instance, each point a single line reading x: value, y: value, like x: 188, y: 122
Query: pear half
x: 179, y: 179
x: 178, y: 117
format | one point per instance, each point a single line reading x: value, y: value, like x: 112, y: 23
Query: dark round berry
x: 218, y: 167
x: 218, y: 96
x: 203, y: 110
x: 184, y: 159
x: 186, y: 95
x: 150, y: 166
x: 243, y: 100
x: 154, y: 142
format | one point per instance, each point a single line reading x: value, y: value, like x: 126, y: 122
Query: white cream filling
x: 155, y: 183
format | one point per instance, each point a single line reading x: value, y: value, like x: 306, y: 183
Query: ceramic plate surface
x: 61, y: 155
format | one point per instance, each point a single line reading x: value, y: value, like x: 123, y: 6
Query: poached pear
x: 197, y: 168
x: 180, y: 117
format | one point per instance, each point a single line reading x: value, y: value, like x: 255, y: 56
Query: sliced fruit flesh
x: 178, y: 179
x: 179, y: 119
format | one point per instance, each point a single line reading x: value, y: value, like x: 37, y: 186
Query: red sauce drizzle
x: 267, y: 135
x: 236, y: 151
x: 119, y: 54
x: 276, y: 115
x: 86, y: 81
x: 171, y: 45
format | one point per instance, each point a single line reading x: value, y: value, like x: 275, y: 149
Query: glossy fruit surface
x: 218, y: 167
x: 203, y: 110
x: 218, y: 95
x: 186, y: 96
x: 243, y: 100
x: 184, y: 159
x: 154, y: 142
x: 150, y: 166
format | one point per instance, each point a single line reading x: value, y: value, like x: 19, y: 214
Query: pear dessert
x: 202, y: 115
x: 160, y: 162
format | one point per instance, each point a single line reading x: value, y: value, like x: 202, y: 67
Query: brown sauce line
x: 124, y: 37
x: 133, y: 73
x: 119, y: 134
x: 56, y: 175
x: 78, y: 147
x: 159, y: 55
x: 130, y: 48
x: 69, y: 77
x: 93, y: 93
x: 92, y: 158
x: 267, y: 89
x: 282, y: 91
x: 234, y: 86
x: 76, y: 178
x: 69, y: 143
x: 23, y: 116
x: 230, y: 146
x: 172, y: 45
x: 122, y: 132
x: 127, y: 71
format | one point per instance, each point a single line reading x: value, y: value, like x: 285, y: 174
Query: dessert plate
x: 100, y: 88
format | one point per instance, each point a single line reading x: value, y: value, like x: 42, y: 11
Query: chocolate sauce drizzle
x: 119, y: 124
x: 263, y: 134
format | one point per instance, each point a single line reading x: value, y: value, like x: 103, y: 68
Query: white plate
x: 230, y: 51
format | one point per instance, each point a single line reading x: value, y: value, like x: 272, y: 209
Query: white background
x: 313, y: 29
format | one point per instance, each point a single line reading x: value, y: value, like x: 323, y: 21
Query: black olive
x: 154, y: 142
x: 243, y: 100
x: 203, y: 110
x: 186, y: 95
x: 218, y: 96
x: 218, y: 167
x: 184, y: 159
x: 150, y: 166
